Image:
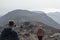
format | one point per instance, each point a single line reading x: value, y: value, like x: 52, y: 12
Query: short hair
x: 11, y: 23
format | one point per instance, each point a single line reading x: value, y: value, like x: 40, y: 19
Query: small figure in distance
x: 40, y: 34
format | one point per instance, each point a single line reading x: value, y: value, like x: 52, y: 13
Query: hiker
x: 9, y: 33
x: 21, y: 27
x: 40, y: 34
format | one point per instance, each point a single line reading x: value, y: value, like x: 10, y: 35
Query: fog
x: 33, y: 5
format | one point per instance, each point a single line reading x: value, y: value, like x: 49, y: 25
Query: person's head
x: 11, y: 23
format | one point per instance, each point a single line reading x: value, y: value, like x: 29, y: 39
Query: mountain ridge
x: 25, y: 15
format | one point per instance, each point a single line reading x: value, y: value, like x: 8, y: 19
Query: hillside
x: 55, y: 16
x: 24, y: 15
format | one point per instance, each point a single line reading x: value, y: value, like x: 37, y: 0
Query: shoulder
x: 14, y: 33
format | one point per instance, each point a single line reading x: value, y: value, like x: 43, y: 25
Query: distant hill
x: 24, y: 15
x: 55, y: 16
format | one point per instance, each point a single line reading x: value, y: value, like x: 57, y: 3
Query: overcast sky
x: 33, y: 5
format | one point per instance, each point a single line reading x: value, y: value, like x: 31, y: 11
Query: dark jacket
x: 9, y: 34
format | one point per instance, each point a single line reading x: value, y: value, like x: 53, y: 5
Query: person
x: 8, y: 33
x: 40, y: 34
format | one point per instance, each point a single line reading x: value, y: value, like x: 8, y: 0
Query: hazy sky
x: 35, y: 5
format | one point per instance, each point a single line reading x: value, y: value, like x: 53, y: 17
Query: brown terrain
x: 29, y: 31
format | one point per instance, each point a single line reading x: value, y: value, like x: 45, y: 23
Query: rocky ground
x: 29, y: 32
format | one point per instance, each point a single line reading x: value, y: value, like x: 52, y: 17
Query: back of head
x: 11, y: 23
x: 39, y: 30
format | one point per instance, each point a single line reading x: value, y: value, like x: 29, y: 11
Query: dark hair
x: 11, y: 23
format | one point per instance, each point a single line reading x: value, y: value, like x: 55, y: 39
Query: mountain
x: 55, y: 16
x: 24, y: 15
